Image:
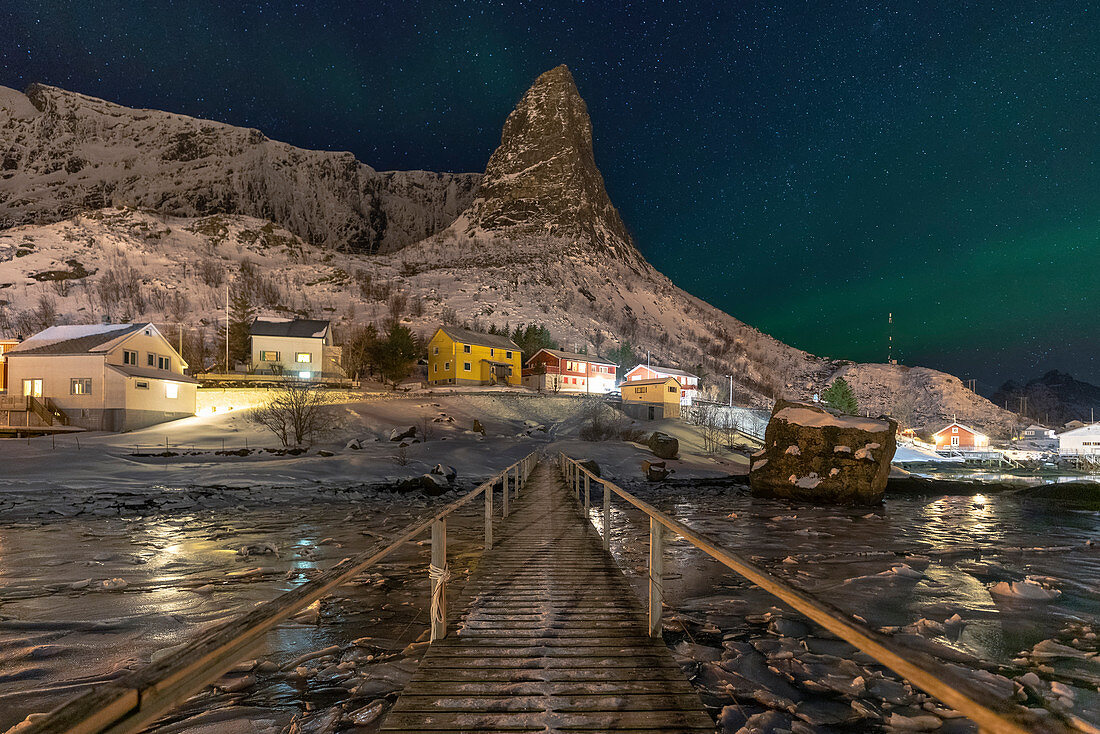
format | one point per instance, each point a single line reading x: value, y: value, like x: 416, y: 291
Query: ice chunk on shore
x: 1027, y: 590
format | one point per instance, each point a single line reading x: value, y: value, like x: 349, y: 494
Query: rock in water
x: 841, y: 459
x: 664, y: 445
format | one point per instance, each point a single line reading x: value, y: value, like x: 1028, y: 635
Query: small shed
x: 652, y: 399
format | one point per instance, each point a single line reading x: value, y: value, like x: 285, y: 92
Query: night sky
x: 807, y: 167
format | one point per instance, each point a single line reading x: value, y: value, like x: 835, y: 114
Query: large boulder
x: 400, y: 435
x: 446, y: 471
x: 432, y: 485
x: 590, y: 465
x: 663, y: 445
x: 814, y: 455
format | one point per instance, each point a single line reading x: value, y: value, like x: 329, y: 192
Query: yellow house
x: 651, y: 399
x: 463, y: 357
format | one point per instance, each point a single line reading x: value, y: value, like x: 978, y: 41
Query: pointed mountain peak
x: 543, y: 180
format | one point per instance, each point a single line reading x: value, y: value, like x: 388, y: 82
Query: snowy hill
x: 62, y: 153
x: 539, y: 241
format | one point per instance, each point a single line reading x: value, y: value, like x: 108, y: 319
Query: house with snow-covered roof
x: 107, y: 377
x: 689, y: 383
x: 301, y: 348
x: 958, y: 436
x: 1084, y: 440
x: 556, y: 370
x: 465, y: 357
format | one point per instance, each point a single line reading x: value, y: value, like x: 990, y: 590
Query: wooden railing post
x: 606, y: 517
x: 504, y: 484
x: 489, y: 517
x: 439, y: 573
x: 586, y: 496
x: 656, y: 575
x: 515, y: 485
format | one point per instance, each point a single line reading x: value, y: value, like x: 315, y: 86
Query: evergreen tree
x: 839, y: 396
x: 241, y: 315
x: 396, y: 353
x: 624, y: 357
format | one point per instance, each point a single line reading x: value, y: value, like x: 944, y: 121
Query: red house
x: 958, y: 436
x: 553, y: 370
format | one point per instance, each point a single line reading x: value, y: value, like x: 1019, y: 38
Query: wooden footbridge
x: 549, y: 636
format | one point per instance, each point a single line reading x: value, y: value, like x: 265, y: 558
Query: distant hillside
x: 1053, y: 399
x: 62, y: 153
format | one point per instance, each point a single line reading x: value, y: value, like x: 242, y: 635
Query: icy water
x: 908, y: 567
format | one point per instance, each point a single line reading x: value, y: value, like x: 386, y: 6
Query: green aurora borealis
x: 806, y: 167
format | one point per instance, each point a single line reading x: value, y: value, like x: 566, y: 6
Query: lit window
x: 171, y: 390
x: 303, y: 357
x: 80, y: 386
x: 466, y: 366
x: 303, y: 375
x: 141, y: 385
x: 269, y: 356
x: 129, y: 357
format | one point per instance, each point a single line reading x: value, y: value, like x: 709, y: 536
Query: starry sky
x: 807, y: 167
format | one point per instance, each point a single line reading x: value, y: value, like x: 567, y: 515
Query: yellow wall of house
x: 447, y: 362
x: 664, y: 392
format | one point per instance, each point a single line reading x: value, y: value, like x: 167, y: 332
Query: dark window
x: 151, y: 359
x: 466, y: 348
x: 164, y: 363
x: 141, y: 385
x: 129, y: 357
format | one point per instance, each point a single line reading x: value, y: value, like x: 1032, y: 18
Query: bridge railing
x: 992, y: 715
x: 137, y: 699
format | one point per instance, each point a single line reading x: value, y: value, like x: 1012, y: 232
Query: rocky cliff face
x: 543, y: 181
x: 62, y: 153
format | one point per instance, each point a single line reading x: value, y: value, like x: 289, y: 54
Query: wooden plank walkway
x: 551, y: 638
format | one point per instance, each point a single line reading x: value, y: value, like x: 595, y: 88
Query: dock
x: 549, y: 636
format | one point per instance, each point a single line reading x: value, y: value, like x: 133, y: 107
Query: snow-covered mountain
x: 539, y: 241
x: 62, y: 153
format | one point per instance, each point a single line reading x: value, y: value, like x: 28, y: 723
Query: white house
x: 108, y: 377
x: 689, y: 383
x: 1084, y: 440
x: 299, y: 347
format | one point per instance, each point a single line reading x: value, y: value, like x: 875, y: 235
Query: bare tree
x: 298, y: 412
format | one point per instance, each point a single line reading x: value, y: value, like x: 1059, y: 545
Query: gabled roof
x: 1083, y: 430
x: 573, y: 356
x: 664, y: 371
x: 960, y: 425
x: 659, y: 381
x: 77, y: 339
x: 466, y: 336
x: 1034, y: 427
x: 297, y: 328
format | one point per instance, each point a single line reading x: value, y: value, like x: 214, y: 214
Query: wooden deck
x: 549, y: 636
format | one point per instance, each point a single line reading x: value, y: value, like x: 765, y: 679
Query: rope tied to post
x: 440, y: 576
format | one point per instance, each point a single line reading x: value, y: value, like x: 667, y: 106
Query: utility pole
x: 890, y: 338
x: 647, y: 358
x: 731, y: 389
x: 227, y: 323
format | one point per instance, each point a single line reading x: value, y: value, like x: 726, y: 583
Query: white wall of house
x: 114, y: 401
x: 288, y: 349
x: 1080, y: 441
